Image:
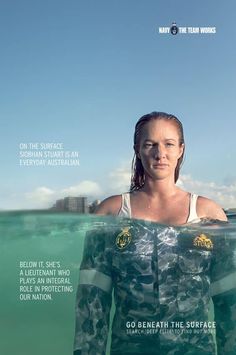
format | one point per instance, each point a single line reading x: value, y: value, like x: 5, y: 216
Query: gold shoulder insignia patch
x: 203, y: 241
x: 123, y: 238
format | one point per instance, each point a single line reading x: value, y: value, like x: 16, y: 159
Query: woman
x: 161, y: 275
x: 159, y: 150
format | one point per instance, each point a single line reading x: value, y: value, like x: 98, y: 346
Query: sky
x: 82, y: 72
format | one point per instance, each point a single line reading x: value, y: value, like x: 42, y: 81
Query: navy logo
x: 174, y: 29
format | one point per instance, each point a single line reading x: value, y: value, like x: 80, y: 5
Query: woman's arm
x: 207, y: 208
x: 109, y: 206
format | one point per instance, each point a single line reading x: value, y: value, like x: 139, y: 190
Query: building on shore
x: 77, y: 204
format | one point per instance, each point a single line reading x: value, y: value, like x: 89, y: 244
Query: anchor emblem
x: 124, y: 238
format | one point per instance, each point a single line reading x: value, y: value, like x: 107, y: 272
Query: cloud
x: 119, y: 179
x: 85, y: 188
x: 40, y: 197
x: 44, y: 197
x: 223, y: 194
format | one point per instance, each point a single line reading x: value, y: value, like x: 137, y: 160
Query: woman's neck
x: 159, y: 188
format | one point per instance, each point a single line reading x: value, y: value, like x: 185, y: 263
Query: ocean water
x: 34, y: 241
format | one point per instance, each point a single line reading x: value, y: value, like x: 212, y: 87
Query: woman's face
x: 159, y: 148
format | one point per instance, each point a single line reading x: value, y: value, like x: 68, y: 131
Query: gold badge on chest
x: 124, y: 238
x: 203, y: 241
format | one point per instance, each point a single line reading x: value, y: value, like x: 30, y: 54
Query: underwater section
x: 60, y: 269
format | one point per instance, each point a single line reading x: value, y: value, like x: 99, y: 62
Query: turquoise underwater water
x: 36, y: 327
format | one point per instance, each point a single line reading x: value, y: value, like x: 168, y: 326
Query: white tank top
x: 125, y: 210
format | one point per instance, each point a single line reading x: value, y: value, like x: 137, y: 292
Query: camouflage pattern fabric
x: 161, y: 277
x: 223, y: 273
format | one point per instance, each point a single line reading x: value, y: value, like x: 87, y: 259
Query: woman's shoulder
x: 110, y: 206
x: 207, y: 208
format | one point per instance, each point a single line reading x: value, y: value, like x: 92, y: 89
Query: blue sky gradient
x: 82, y: 72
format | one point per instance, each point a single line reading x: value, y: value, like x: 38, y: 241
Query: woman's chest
x: 169, y: 213
x: 174, y: 211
